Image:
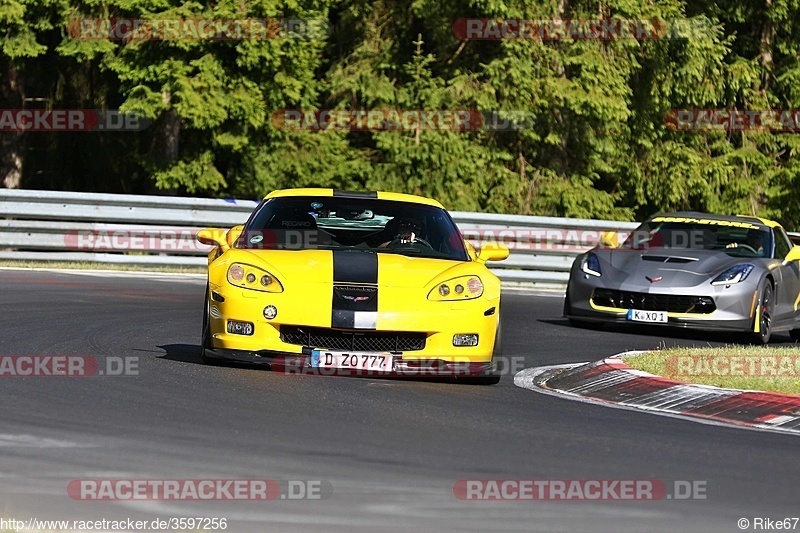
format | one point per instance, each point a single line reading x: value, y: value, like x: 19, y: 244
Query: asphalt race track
x: 391, y: 450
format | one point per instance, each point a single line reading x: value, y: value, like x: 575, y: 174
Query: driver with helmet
x: 403, y: 230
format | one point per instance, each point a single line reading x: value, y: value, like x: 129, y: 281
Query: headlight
x: 734, y: 275
x: 463, y: 288
x: 250, y: 277
x: 591, y: 265
x: 465, y: 339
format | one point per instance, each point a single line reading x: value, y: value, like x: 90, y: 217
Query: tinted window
x: 782, y: 243
x: 331, y: 223
x: 744, y: 240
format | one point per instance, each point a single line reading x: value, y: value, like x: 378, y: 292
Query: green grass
x: 83, y: 265
x: 733, y: 367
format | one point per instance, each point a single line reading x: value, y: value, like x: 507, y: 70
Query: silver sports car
x: 694, y: 270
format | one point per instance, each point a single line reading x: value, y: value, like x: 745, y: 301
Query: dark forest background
x: 596, y: 146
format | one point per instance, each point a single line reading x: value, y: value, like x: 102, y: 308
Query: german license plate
x: 380, y: 362
x: 658, y: 317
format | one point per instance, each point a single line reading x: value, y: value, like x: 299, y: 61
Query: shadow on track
x: 190, y: 353
x: 183, y: 353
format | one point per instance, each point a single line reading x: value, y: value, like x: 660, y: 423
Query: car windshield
x: 343, y: 223
x: 739, y: 239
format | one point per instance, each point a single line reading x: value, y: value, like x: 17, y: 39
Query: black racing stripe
x: 355, y: 286
x: 355, y: 267
x: 354, y: 194
x: 341, y: 318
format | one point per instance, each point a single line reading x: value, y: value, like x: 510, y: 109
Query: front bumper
x: 293, y: 364
x: 735, y: 305
x: 437, y: 321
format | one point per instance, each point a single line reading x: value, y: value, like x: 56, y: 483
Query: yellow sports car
x: 326, y: 281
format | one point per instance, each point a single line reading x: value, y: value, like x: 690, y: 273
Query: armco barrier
x: 160, y: 230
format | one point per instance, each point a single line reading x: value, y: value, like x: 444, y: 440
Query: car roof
x: 378, y: 195
x: 710, y: 216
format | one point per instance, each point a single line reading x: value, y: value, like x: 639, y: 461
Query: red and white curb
x: 612, y: 383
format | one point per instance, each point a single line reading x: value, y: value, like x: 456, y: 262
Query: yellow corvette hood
x: 355, y: 289
x: 308, y: 266
x: 327, y: 267
x: 412, y: 272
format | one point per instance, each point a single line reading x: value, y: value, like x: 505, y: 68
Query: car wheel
x: 766, y: 308
x: 205, y: 341
x: 795, y: 334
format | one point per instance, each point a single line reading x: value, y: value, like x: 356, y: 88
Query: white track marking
x: 32, y: 441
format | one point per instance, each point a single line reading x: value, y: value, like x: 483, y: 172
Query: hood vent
x: 667, y: 259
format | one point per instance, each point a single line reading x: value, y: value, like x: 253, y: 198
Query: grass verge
x: 732, y: 367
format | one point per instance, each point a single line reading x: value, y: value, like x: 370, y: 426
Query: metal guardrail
x: 160, y: 230
x: 122, y: 208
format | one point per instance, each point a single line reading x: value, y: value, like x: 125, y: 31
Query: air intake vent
x: 372, y: 341
x: 672, y: 303
x: 667, y: 259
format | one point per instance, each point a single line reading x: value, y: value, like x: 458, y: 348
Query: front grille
x: 366, y: 341
x: 653, y: 302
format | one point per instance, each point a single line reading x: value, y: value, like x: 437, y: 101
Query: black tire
x: 795, y: 334
x: 766, y: 306
x: 205, y: 340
